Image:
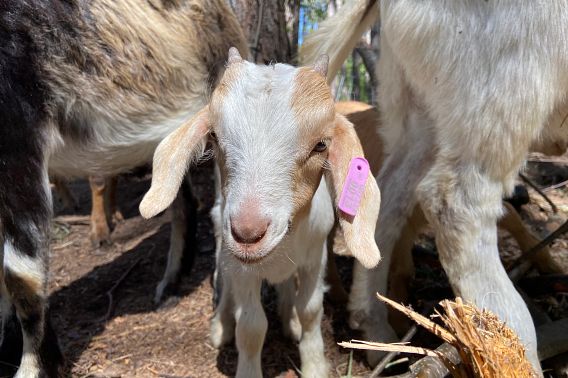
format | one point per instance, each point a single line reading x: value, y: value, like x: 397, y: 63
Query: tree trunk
x: 293, y: 22
x: 264, y: 25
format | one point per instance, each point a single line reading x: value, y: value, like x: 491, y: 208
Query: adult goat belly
x: 110, y: 146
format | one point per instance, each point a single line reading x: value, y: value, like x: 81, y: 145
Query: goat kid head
x: 275, y: 132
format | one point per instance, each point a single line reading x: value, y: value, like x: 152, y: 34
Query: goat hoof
x: 356, y: 319
x: 100, y: 242
x: 100, y: 236
x: 162, y: 288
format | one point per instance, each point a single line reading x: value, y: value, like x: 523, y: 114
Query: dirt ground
x: 132, y: 337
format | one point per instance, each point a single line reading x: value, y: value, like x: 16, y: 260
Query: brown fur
x: 104, y: 211
x: 313, y: 110
x: 143, y: 60
x: 100, y: 230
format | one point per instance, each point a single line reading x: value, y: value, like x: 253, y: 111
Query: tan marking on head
x: 306, y: 179
x: 313, y: 109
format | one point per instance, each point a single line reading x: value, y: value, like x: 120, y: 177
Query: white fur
x: 258, y: 144
x: 117, y: 144
x: 302, y: 252
x: 29, y: 365
x: 474, y: 81
x: 259, y: 136
x: 22, y: 265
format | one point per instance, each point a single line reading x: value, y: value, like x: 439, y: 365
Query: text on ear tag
x: 354, y: 186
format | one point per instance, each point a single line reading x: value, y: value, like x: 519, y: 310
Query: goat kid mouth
x: 249, y: 253
x: 249, y: 260
x: 254, y: 253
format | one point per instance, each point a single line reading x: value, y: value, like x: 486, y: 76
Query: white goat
x: 465, y: 88
x: 276, y: 132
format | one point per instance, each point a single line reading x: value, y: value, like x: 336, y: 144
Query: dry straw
x: 487, y: 347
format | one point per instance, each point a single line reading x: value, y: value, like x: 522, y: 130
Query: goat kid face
x: 273, y: 126
x: 275, y: 132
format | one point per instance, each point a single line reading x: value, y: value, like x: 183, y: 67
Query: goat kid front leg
x: 223, y: 322
x: 309, y: 306
x: 287, y: 292
x: 251, y: 324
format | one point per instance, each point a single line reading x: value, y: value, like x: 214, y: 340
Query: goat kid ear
x: 358, y: 230
x: 171, y: 161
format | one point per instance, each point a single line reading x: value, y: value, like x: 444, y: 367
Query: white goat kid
x: 465, y: 88
x: 276, y: 133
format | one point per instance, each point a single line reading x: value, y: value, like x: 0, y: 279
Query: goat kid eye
x: 320, y: 146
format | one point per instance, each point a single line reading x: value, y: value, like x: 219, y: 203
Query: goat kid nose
x: 249, y: 228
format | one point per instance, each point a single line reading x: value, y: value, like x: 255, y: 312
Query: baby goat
x: 88, y: 87
x: 276, y: 133
x: 466, y: 88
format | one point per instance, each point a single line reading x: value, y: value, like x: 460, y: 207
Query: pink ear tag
x: 354, y: 186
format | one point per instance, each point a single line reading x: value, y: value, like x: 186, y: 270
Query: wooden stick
x: 421, y: 320
x: 110, y: 292
x: 539, y: 191
x: 522, y: 265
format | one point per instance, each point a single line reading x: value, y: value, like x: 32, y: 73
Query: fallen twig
x: 539, y: 191
x: 386, y: 347
x: 523, y: 264
x: 73, y: 219
x: 555, y: 186
x: 421, y: 320
x: 110, y: 292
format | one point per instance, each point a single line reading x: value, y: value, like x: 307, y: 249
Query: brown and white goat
x: 276, y: 133
x: 465, y: 88
x: 88, y: 88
